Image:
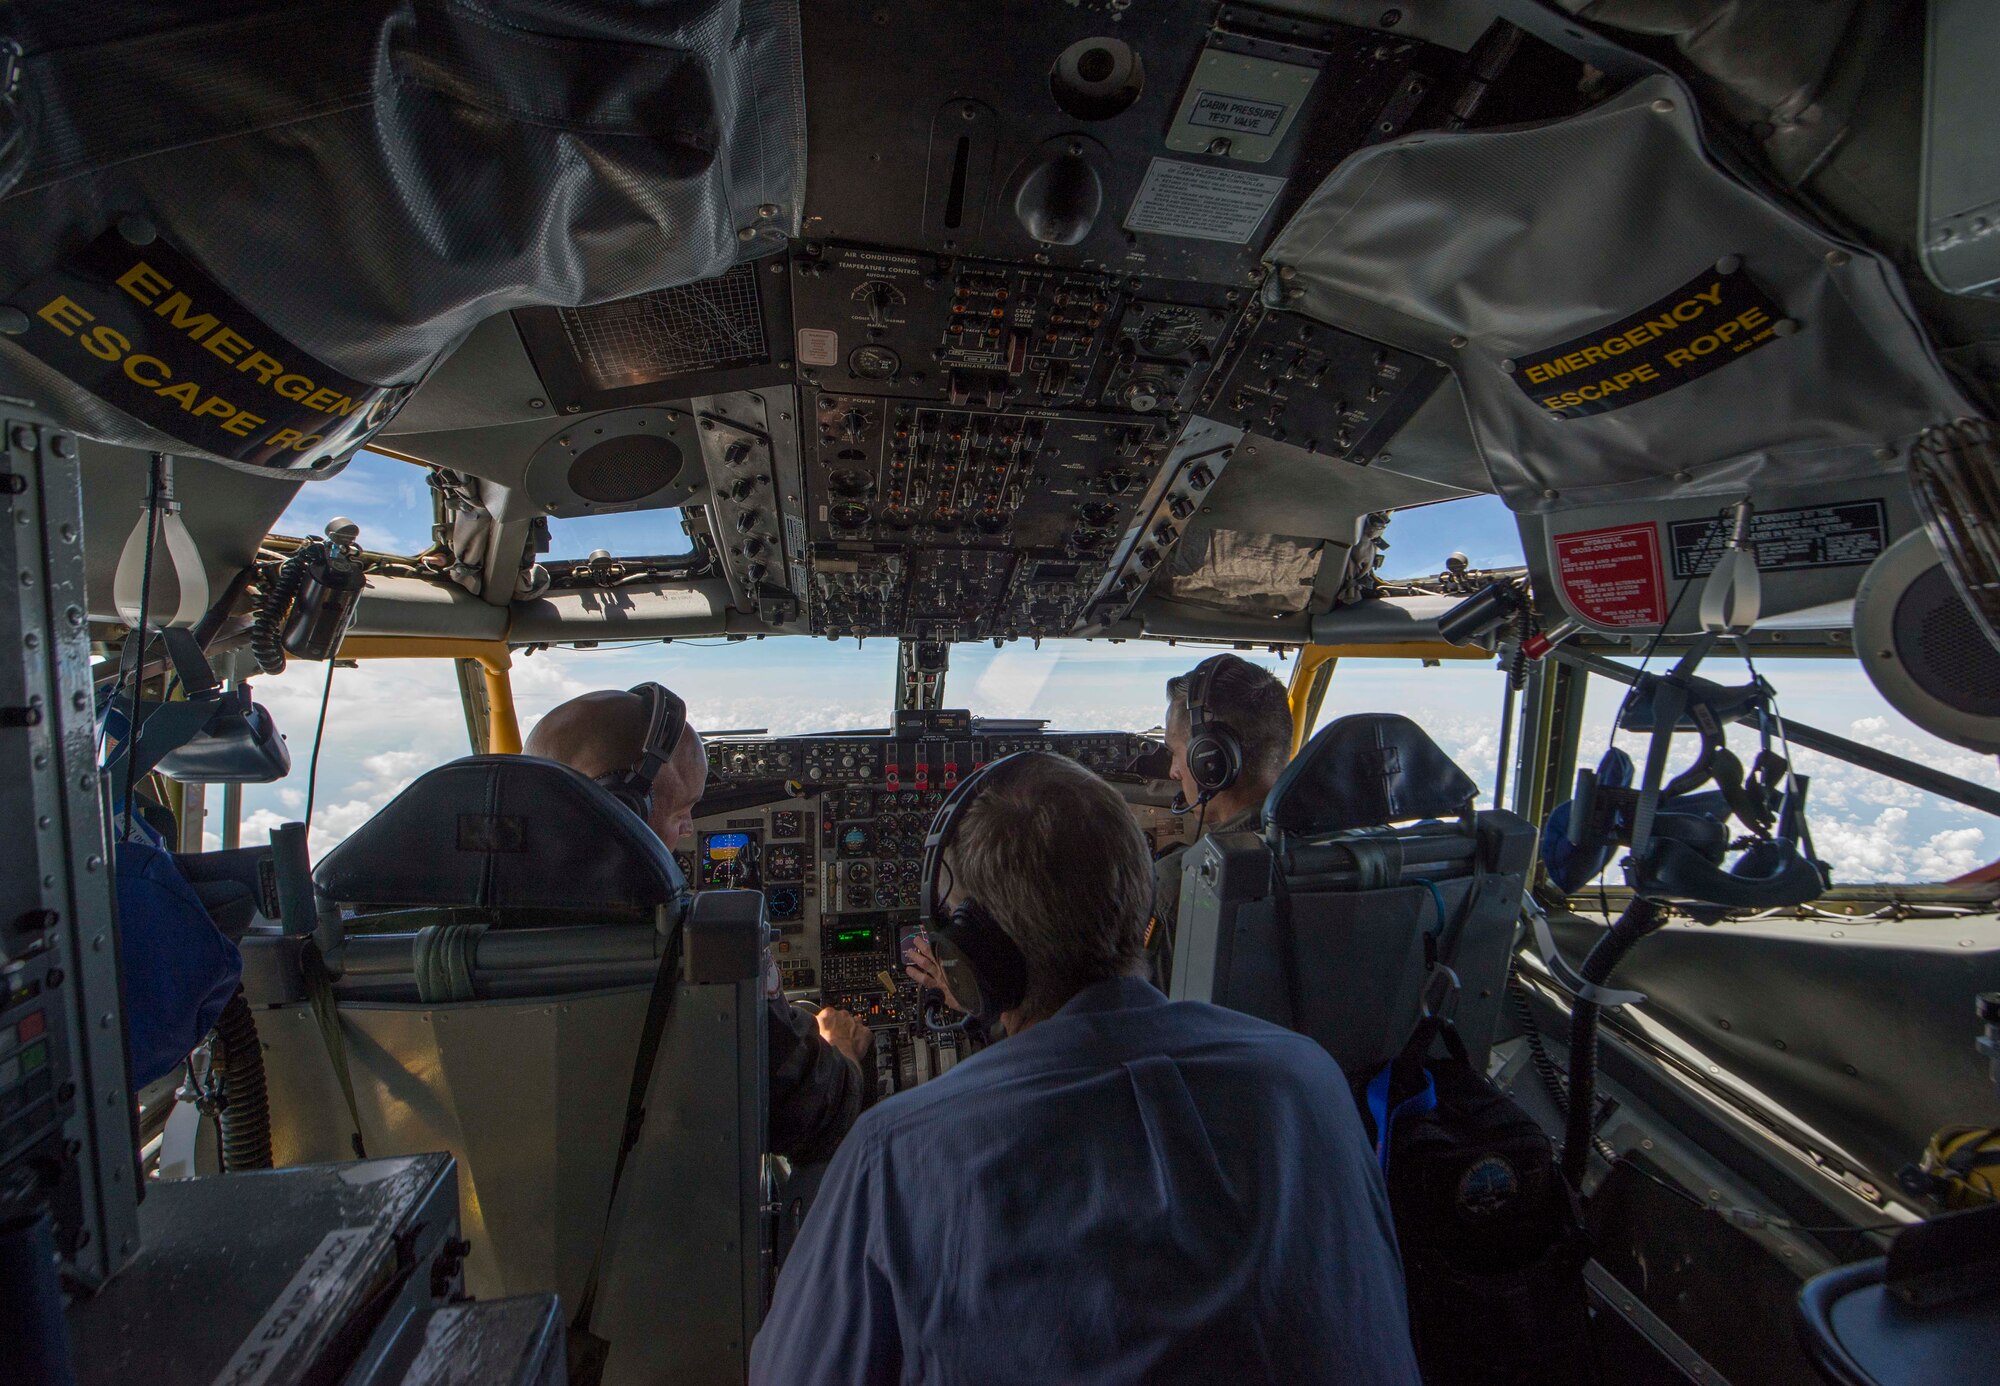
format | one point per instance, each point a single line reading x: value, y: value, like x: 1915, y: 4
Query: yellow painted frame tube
x: 1312, y: 658
x: 503, y: 734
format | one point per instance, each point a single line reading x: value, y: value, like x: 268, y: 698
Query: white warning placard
x: 1202, y: 202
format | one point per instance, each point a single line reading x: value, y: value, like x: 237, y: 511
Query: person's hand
x: 845, y: 1033
x: 925, y: 970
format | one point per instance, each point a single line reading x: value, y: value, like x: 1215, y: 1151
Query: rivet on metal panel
x: 13, y: 321
x: 138, y: 230
x: 1684, y: 476
x: 1663, y: 106
x: 1729, y: 264
x: 1458, y: 343
x: 1837, y: 258
x: 1508, y: 365
x: 1550, y: 492
x: 1785, y: 327
x: 1885, y: 454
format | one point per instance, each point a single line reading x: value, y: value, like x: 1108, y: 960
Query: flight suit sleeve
x: 816, y: 1091
x: 1166, y: 914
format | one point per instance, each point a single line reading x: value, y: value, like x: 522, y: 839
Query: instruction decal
x: 818, y: 347
x: 1702, y: 326
x: 1612, y: 577
x: 146, y: 329
x: 1809, y: 536
x: 1201, y: 202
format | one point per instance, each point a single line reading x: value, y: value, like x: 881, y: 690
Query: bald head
x: 599, y: 733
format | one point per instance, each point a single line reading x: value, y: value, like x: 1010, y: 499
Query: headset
x: 1214, y: 750
x: 999, y: 973
x: 666, y: 720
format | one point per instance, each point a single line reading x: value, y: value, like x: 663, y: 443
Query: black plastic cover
x: 1365, y: 770
x: 502, y: 831
x: 373, y: 179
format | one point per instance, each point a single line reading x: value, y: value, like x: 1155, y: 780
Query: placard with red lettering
x: 1612, y: 577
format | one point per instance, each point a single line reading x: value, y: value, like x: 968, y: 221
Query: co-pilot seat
x: 1372, y: 862
x: 496, y: 932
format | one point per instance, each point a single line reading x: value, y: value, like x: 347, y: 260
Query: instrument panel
x: 836, y: 844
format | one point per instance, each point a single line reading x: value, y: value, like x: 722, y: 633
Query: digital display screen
x: 724, y: 846
x: 854, y: 940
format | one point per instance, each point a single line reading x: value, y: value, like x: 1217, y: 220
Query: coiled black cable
x: 1538, y: 1053
x: 267, y: 629
x: 1639, y: 919
x: 245, y: 1117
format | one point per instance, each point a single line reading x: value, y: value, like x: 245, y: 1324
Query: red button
x: 32, y: 1025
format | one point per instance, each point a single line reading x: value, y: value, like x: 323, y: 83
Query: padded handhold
x: 1365, y: 770
x: 509, y: 831
x: 239, y: 744
x: 1729, y: 704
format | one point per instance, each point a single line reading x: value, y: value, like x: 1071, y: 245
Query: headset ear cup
x: 999, y: 971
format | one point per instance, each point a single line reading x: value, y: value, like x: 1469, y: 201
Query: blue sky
x: 392, y: 719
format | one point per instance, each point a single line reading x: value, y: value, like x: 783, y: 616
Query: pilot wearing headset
x: 1127, y: 1189
x: 638, y: 746
x: 1229, y: 727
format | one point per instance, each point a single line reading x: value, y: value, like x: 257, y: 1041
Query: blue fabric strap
x: 1384, y: 1118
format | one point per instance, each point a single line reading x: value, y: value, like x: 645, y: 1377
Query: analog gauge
x: 784, y: 862
x: 874, y: 362
x: 848, y: 515
x: 685, y: 861
x: 786, y: 824
x: 860, y: 872
x: 783, y: 903
x: 851, y: 481
x: 856, y: 840
x: 1169, y: 332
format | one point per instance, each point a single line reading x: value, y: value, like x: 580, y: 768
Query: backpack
x: 1490, y: 1232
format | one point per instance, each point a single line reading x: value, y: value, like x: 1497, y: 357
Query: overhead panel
x: 1031, y: 234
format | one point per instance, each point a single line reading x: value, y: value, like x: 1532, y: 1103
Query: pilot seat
x: 496, y: 941
x: 1374, y: 884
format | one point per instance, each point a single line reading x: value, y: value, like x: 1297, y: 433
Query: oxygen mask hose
x: 245, y: 1118
x: 1639, y: 919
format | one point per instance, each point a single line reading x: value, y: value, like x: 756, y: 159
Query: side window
x: 387, y: 721
x: 1872, y: 829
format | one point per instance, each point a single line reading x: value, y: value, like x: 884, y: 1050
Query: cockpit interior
x: 911, y: 384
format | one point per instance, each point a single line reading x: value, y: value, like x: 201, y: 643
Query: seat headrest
x: 1363, y: 771
x: 507, y: 832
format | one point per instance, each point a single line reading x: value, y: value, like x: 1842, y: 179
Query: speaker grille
x: 709, y: 325
x: 620, y: 470
x: 1944, y: 648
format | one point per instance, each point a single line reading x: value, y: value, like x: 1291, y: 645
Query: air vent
x: 709, y: 325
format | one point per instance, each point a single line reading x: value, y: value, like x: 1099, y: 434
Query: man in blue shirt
x: 1126, y: 1189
